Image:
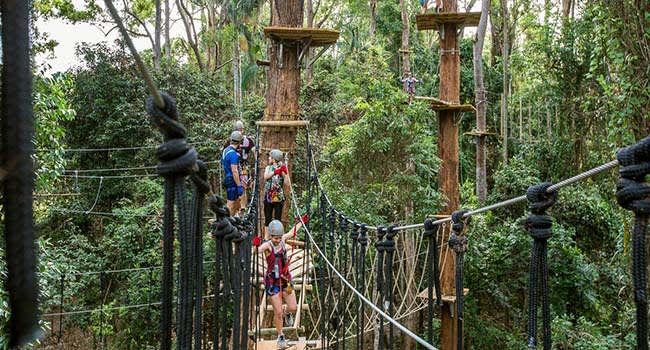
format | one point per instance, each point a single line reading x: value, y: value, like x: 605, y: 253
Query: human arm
x: 235, y: 174
x: 268, y: 173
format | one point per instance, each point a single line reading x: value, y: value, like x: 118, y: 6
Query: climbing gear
x: 633, y: 193
x: 236, y: 136
x: 538, y: 225
x: 238, y: 125
x: 276, y: 228
x: 277, y: 155
x: 458, y: 242
x: 288, y: 318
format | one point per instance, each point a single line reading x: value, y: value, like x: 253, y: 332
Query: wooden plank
x: 433, y: 21
x: 446, y: 298
x: 437, y: 104
x: 318, y: 36
x: 306, y: 307
x: 273, y: 331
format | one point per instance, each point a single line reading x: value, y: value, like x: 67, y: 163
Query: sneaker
x: 288, y: 320
x: 282, y: 343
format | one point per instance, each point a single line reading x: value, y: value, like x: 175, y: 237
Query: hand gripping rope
x: 433, y: 274
x: 633, y: 193
x: 458, y: 242
x: 538, y: 225
x: 176, y: 160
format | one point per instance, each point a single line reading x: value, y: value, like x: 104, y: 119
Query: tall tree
x: 168, y: 44
x: 481, y: 103
x: 406, y: 32
x: 157, y: 30
x: 373, y: 18
x: 190, y: 31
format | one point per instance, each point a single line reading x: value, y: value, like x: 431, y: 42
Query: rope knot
x: 166, y: 119
x: 354, y: 234
x: 539, y: 226
x: 218, y: 206
x: 332, y: 216
x: 632, y: 192
x: 200, y: 178
x: 458, y: 243
x: 363, y: 238
x: 430, y: 229
x: 389, y: 243
x: 539, y: 199
x: 381, y: 232
x: 458, y: 223
x: 343, y: 222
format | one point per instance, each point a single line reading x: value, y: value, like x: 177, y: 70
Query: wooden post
x: 521, y: 122
x: 504, y: 128
x: 283, y: 89
x: 448, y: 152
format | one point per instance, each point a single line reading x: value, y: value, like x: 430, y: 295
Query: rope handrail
x: 354, y: 290
x: 133, y: 269
x: 76, y: 211
x: 111, y: 149
x: 144, y: 167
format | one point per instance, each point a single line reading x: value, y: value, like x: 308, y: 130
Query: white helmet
x: 277, y: 155
x: 238, y: 125
x: 236, y: 136
x: 276, y: 228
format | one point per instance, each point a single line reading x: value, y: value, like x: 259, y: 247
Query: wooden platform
x: 440, y: 105
x: 446, y: 298
x: 480, y: 133
x: 318, y: 36
x: 301, y: 344
x: 434, y: 20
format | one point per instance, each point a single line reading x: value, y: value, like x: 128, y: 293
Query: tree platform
x: 445, y: 298
x: 440, y: 105
x: 433, y: 21
x: 316, y: 36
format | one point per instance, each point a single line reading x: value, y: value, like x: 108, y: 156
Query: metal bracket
x: 281, y: 56
x: 305, y: 46
x: 320, y: 53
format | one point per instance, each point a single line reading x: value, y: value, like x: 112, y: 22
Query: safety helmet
x: 238, y: 125
x: 277, y: 155
x: 236, y: 136
x: 276, y: 228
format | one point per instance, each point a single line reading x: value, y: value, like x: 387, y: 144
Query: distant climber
x: 409, y: 81
x: 231, y: 170
x: 425, y: 5
x: 246, y: 152
x: 276, y: 176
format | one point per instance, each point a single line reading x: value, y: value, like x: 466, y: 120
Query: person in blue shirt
x: 232, y: 181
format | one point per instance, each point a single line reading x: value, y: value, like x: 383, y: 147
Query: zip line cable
x: 112, y: 149
x: 354, y: 290
x: 144, y: 167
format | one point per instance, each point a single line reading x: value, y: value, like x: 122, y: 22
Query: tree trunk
x: 186, y: 16
x: 157, y: 30
x: 373, y: 18
x: 566, y: 8
x: 506, y: 77
x: 309, y: 73
x: 168, y: 44
x: 283, y: 88
x: 406, y: 61
x: 236, y: 62
x: 481, y: 104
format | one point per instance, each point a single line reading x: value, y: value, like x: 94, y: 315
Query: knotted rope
x: 176, y: 160
x: 389, y: 249
x: 458, y: 243
x: 538, y: 225
x: 633, y: 193
x: 433, y: 274
x: 17, y: 175
x: 380, y: 247
x: 363, y: 243
x: 343, y: 225
x: 201, y: 188
x: 221, y: 227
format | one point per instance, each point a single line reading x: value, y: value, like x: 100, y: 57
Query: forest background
x: 575, y: 90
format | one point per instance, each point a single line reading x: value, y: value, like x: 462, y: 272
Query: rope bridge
x: 351, y: 266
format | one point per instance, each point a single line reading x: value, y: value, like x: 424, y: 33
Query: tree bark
x: 506, y: 77
x: 309, y: 72
x: 481, y: 104
x: 283, y: 88
x: 157, y: 30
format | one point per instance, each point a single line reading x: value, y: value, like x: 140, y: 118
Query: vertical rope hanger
x: 18, y: 182
x: 458, y: 242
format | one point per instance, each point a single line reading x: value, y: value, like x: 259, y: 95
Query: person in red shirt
x: 276, y: 176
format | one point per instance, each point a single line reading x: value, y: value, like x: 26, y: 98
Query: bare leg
x: 276, y: 302
x: 233, y: 207
x: 290, y: 299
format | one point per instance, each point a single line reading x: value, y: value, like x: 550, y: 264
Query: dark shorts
x: 231, y: 188
x: 274, y: 289
x: 272, y: 211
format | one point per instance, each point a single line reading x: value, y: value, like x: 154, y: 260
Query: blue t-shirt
x: 229, y: 157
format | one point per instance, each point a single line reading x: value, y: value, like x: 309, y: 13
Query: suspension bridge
x: 345, y: 270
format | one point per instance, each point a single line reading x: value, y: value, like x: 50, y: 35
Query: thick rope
x: 433, y: 275
x: 458, y: 242
x: 176, y: 160
x: 343, y: 223
x: 389, y: 248
x: 18, y: 182
x: 321, y: 290
x: 633, y: 193
x: 201, y: 188
x: 380, y: 247
x: 363, y: 243
x: 220, y: 228
x: 538, y: 225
